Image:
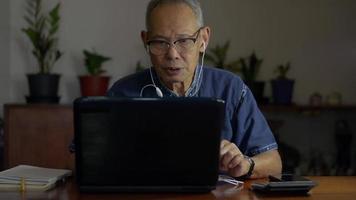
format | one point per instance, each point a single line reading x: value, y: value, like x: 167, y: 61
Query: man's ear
x: 144, y: 38
x: 205, y: 33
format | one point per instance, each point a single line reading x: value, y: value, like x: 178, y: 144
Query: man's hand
x: 232, y: 160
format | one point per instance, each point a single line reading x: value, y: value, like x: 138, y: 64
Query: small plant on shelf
x: 218, y: 55
x: 42, y: 31
x: 282, y: 87
x: 139, y: 67
x: 95, y: 83
x: 94, y: 62
x: 282, y: 70
x: 250, y: 67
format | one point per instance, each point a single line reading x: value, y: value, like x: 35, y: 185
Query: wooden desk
x: 333, y: 188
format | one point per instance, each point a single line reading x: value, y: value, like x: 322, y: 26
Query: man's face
x: 169, y: 23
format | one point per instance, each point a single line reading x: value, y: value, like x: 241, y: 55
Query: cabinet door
x: 38, y: 135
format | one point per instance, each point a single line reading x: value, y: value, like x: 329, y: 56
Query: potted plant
x: 217, y: 56
x: 249, y: 68
x: 42, y: 31
x: 282, y: 87
x: 94, y: 83
x: 139, y: 67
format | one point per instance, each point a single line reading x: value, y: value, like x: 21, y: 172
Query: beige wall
x: 318, y: 37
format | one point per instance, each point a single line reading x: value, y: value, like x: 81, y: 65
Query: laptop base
x: 146, y: 189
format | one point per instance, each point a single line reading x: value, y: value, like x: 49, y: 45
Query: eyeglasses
x: 182, y: 45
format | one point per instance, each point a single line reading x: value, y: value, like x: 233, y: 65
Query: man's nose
x: 172, y: 52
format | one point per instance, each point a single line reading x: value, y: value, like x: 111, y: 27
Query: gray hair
x: 193, y: 4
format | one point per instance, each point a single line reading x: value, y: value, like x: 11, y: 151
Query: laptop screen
x: 147, y: 142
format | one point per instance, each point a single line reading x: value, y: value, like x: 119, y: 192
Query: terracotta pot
x: 94, y: 85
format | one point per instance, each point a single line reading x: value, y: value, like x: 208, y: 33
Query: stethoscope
x: 159, y: 91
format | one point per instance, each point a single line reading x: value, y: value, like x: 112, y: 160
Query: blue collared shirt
x: 244, y: 125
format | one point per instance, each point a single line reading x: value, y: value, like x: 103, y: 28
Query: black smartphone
x: 285, y: 183
x: 286, y: 177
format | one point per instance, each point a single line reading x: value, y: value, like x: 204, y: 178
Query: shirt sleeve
x: 253, y: 135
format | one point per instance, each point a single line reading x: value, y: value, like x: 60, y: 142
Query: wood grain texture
x: 329, y: 188
x: 38, y: 135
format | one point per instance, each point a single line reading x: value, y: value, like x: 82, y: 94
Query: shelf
x: 305, y: 108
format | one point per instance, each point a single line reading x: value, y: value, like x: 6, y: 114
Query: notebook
x: 31, y: 178
x: 147, y: 145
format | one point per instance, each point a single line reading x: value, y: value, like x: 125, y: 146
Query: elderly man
x: 176, y: 39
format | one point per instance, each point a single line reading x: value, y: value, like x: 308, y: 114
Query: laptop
x: 147, y: 145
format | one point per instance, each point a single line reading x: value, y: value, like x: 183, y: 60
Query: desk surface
x: 335, y: 188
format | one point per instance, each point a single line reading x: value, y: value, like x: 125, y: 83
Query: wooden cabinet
x: 38, y: 135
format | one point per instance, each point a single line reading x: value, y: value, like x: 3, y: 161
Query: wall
x: 4, y: 53
x: 318, y: 37
x: 111, y: 27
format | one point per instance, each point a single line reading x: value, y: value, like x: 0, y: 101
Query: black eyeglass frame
x: 170, y: 44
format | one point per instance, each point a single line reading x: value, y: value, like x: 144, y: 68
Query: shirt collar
x: 192, y: 90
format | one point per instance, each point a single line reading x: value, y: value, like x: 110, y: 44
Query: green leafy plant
x: 42, y: 31
x: 94, y: 61
x: 249, y: 67
x: 282, y: 70
x: 139, y: 66
x: 217, y: 56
